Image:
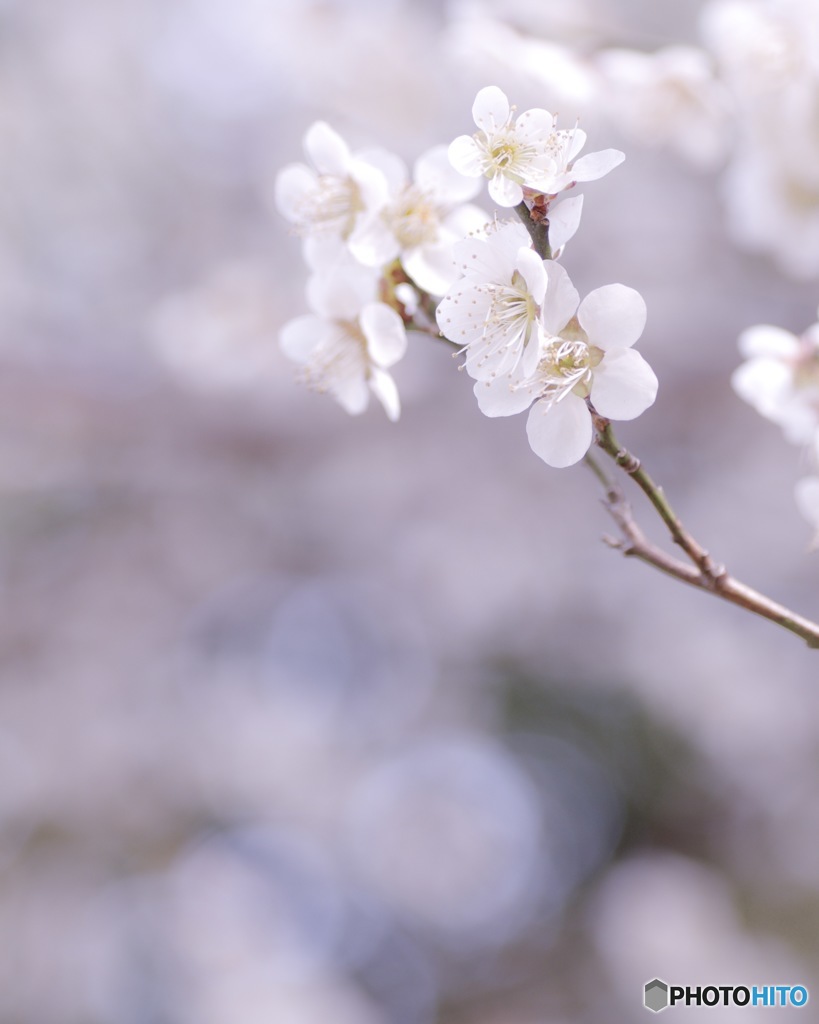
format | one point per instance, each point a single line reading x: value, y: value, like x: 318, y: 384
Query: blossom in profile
x: 780, y: 378
x: 585, y: 353
x: 527, y: 152
x: 347, y: 345
x: 493, y: 311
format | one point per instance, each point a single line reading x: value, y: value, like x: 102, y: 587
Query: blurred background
x: 310, y: 718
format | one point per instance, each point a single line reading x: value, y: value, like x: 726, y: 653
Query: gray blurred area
x: 307, y: 718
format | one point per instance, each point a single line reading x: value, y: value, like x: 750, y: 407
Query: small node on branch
x: 537, y: 224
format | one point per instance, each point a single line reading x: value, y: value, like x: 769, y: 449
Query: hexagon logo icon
x: 655, y: 996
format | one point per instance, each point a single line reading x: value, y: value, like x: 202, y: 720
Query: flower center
x: 413, y: 218
x: 334, y: 206
x: 566, y: 366
x: 510, y: 319
x: 504, y: 153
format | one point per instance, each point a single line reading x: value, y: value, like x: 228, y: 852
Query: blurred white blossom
x: 671, y: 97
x: 347, y: 345
x: 340, y: 195
x: 421, y: 220
x: 780, y: 378
x: 766, y: 54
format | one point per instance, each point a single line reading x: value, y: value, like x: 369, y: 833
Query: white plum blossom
x: 766, y: 52
x: 780, y: 378
x: 671, y: 97
x: 339, y: 196
x: 527, y: 152
x: 421, y: 221
x: 493, y: 311
x: 350, y: 340
x: 585, y: 353
x: 782, y: 189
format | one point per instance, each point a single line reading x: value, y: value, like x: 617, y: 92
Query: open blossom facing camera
x: 347, y: 345
x: 524, y: 152
x: 492, y: 312
x: 584, y: 353
x: 421, y: 220
x: 339, y: 195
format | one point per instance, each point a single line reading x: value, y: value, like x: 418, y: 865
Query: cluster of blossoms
x: 529, y: 341
x: 780, y: 379
x: 744, y: 101
x: 368, y: 229
x: 390, y: 253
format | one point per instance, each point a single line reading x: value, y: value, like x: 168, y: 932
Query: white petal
x: 613, y: 316
x: 766, y: 340
x: 383, y: 387
x: 765, y: 384
x: 465, y: 156
x: 385, y: 333
x: 372, y: 243
x: 431, y: 267
x: 564, y: 220
x: 389, y: 165
x: 535, y: 124
x: 461, y: 314
x: 575, y: 141
x: 531, y: 353
x: 806, y: 493
x: 464, y: 220
x: 326, y: 148
x: 560, y: 303
x: 299, y: 337
x: 492, y: 258
x: 504, y: 191
x: 339, y: 294
x: 503, y: 396
x: 351, y: 393
x: 507, y: 240
x: 531, y: 268
x: 490, y: 109
x: 435, y: 175
x: 560, y: 434
x: 293, y: 193
x: 594, y: 165
x: 623, y: 386
x: 324, y: 252
x: 373, y: 187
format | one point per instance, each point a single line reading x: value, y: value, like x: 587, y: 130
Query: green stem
x: 704, y: 573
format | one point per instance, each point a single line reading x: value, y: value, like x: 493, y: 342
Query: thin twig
x: 703, y: 573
